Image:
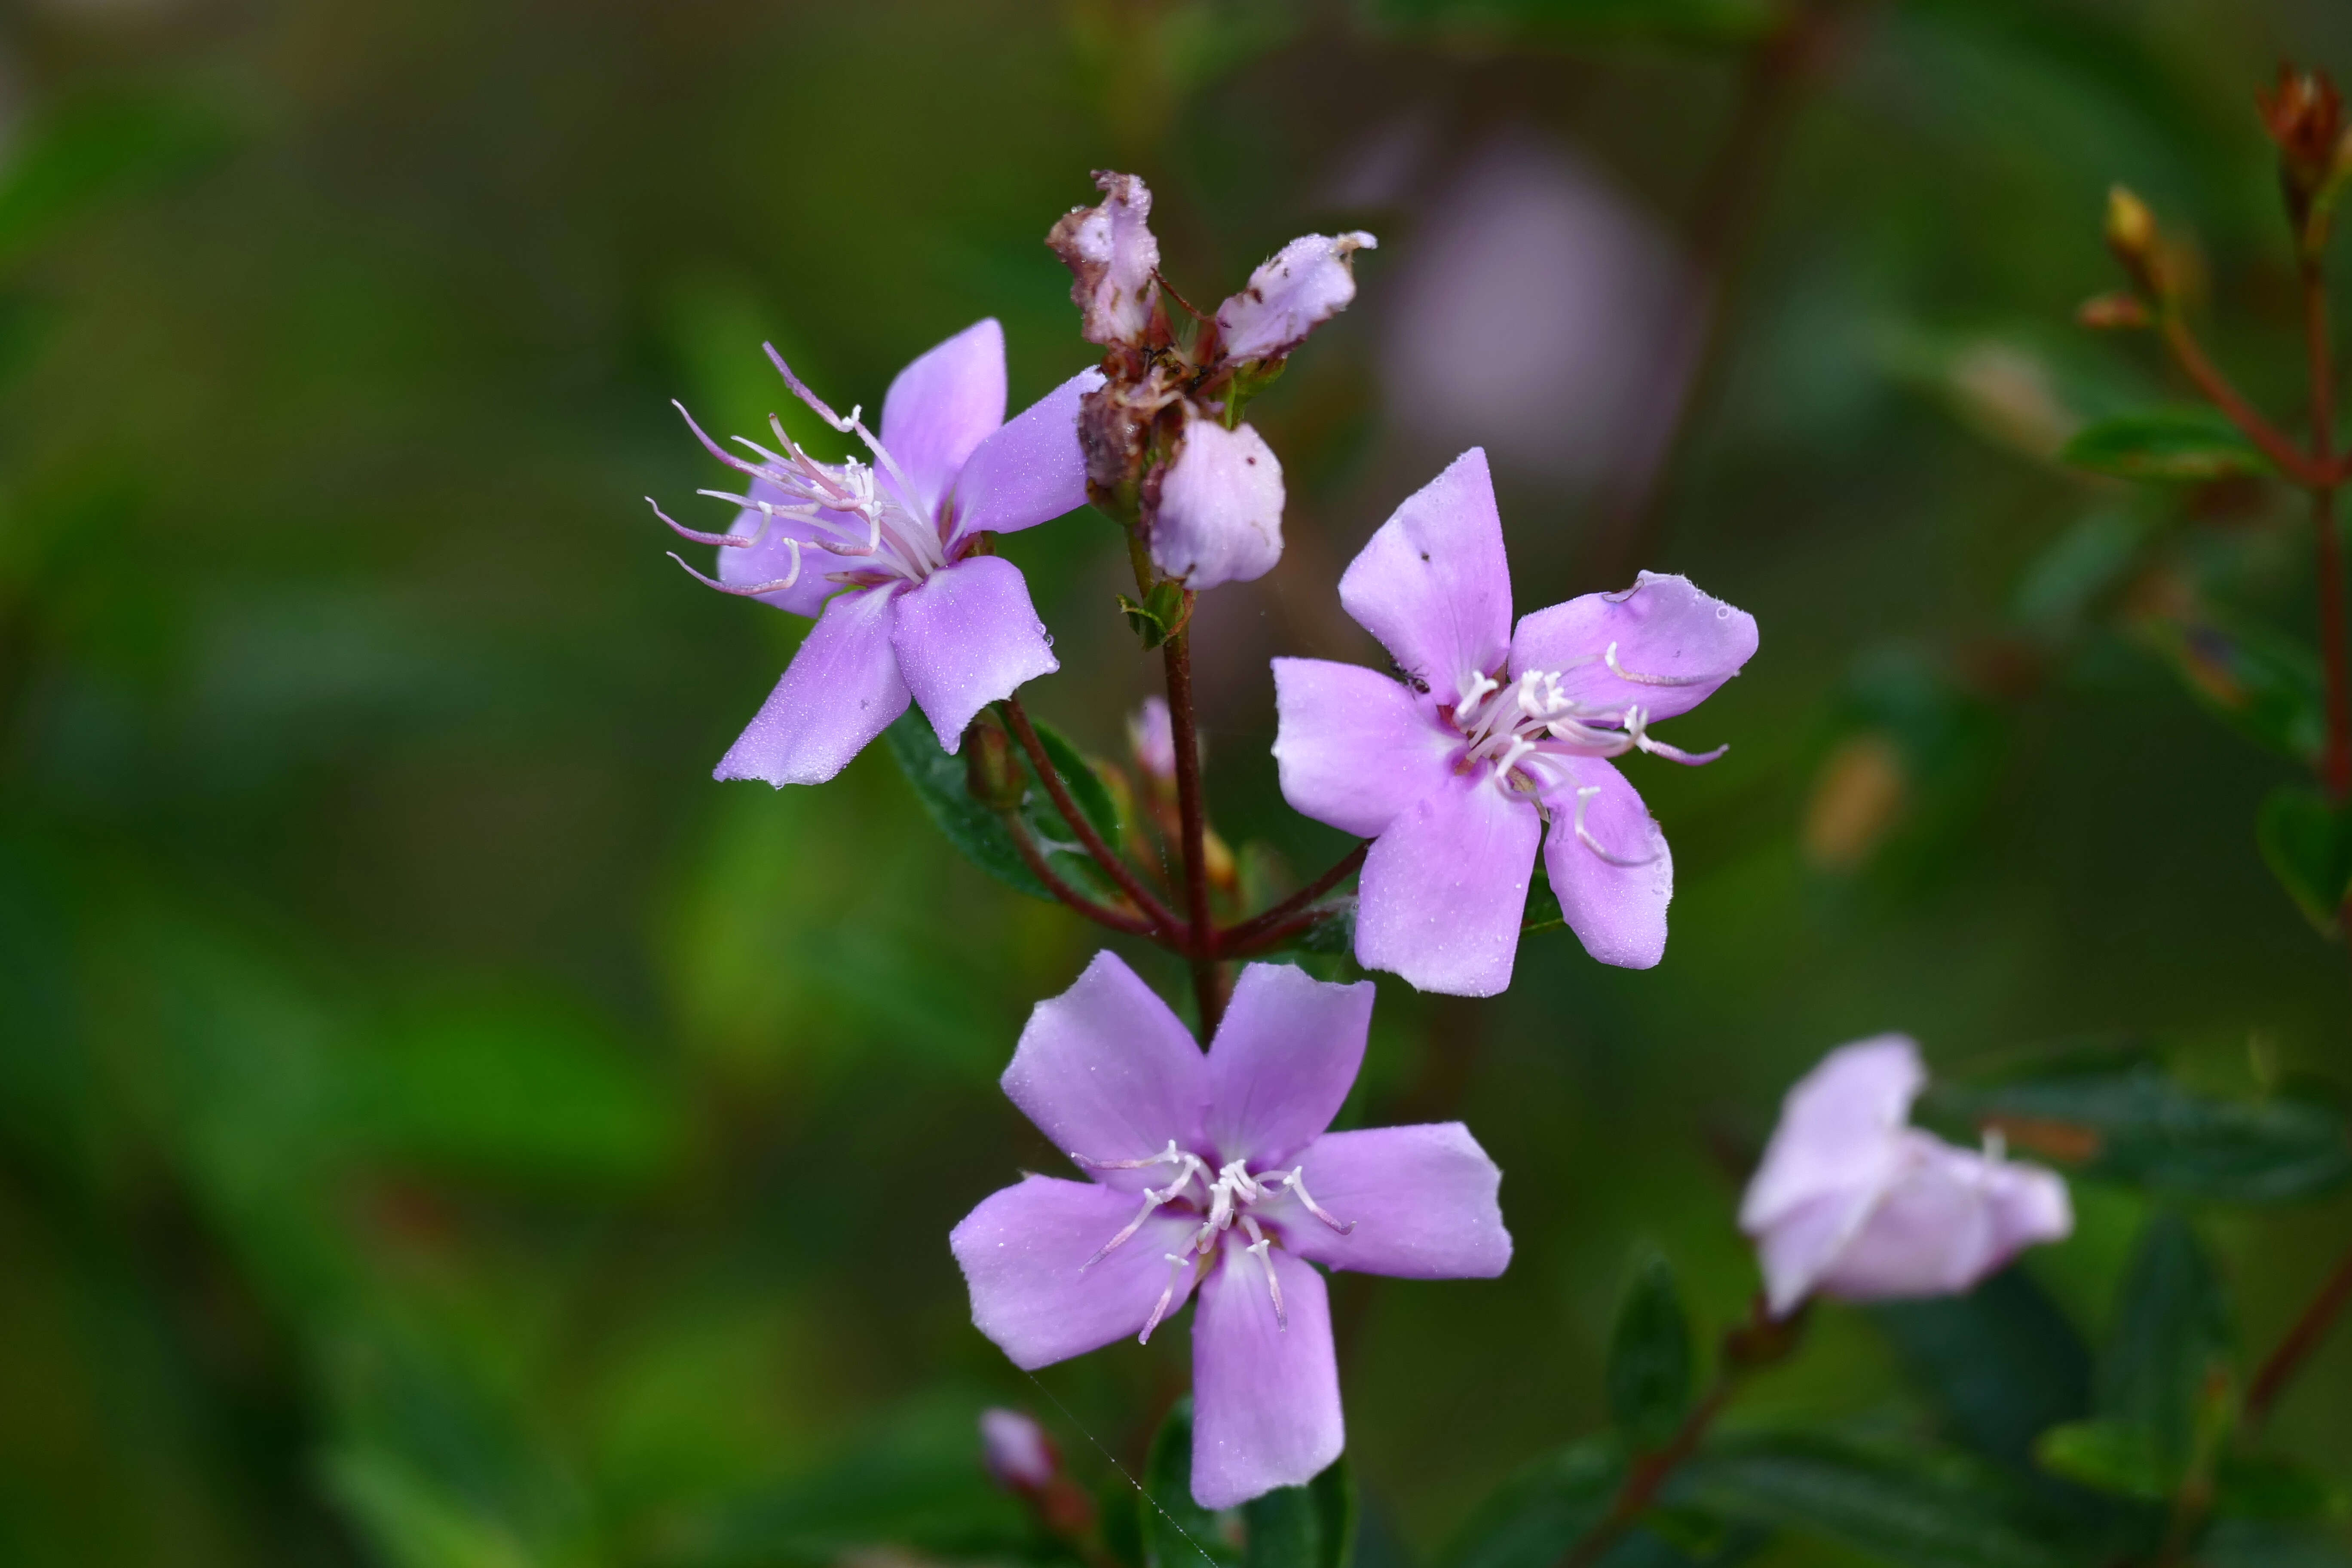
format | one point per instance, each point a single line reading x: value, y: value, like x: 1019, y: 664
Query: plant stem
x: 1648, y: 1475
x: 2289, y: 459
x: 1207, y: 986
x: 1270, y: 925
x: 1034, y: 858
x: 1160, y: 919
x: 2305, y: 1337
x: 2336, y: 771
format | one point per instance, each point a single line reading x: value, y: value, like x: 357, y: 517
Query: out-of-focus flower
x: 1151, y: 738
x: 1254, y: 1190
x: 890, y: 556
x: 1853, y: 1202
x: 1219, y: 515
x: 1019, y: 1455
x: 1453, y: 770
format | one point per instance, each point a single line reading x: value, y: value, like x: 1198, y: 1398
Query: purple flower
x: 1214, y: 1172
x: 1019, y: 1455
x: 890, y: 556
x: 1294, y: 291
x: 1113, y: 258
x: 1219, y: 517
x: 1151, y: 738
x: 1853, y: 1202
x: 1455, y: 770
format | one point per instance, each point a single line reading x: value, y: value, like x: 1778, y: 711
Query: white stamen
x: 1178, y: 1263
x: 1296, y: 1180
x: 1263, y: 1250
x: 1621, y: 673
x: 747, y: 591
x: 1584, y: 799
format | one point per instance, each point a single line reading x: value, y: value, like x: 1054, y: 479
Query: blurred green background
x: 438, y: 1125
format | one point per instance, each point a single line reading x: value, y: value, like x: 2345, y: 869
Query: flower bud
x: 2304, y: 116
x: 1219, y: 514
x: 992, y: 773
x: 1151, y: 738
x: 1020, y: 1457
x: 2132, y: 235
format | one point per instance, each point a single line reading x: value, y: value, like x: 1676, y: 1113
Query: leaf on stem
x: 2001, y: 1364
x: 1176, y: 1532
x: 2184, y: 443
x: 2169, y: 1339
x: 2262, y: 682
x: 1313, y: 1526
x: 2306, y: 842
x: 1649, y: 1376
x: 940, y: 783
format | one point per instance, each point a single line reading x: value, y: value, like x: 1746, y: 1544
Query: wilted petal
x: 1111, y: 255
x: 1674, y: 646
x: 1354, y: 747
x: 1615, y: 879
x: 1841, y: 1128
x: 1021, y: 1251
x: 1282, y: 1063
x: 1106, y: 1072
x: 1219, y: 514
x: 1950, y: 1218
x: 1265, y: 1398
x: 1422, y: 1201
x: 1030, y: 471
x: 842, y: 688
x: 1303, y: 285
x: 1434, y: 585
x: 771, y: 558
x: 1445, y: 887
x: 968, y: 635
x: 941, y: 407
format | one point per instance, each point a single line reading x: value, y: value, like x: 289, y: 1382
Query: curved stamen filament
x: 749, y: 590
x: 1296, y: 1180
x: 1584, y: 836
x: 1263, y: 1250
x: 1178, y: 1262
x: 1621, y: 673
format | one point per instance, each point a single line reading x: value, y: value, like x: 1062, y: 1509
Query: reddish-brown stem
x: 1101, y: 914
x: 1650, y: 1473
x: 1269, y: 926
x: 2335, y: 770
x: 2289, y: 459
x: 1192, y: 817
x: 1158, y: 918
x: 2279, y: 1369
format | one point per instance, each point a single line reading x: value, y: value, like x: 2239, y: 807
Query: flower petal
x: 1422, y: 1201
x: 1112, y: 256
x: 771, y: 559
x: 941, y: 407
x: 1617, y: 912
x: 1355, y: 748
x: 1841, y: 1128
x: 842, y: 688
x: 1106, y: 1072
x: 966, y: 637
x: 1433, y: 584
x: 1219, y: 519
x: 1803, y: 1243
x: 1952, y: 1218
x: 1265, y: 1398
x: 1030, y: 471
x: 1283, y: 1061
x: 1021, y: 1251
x: 1299, y: 287
x: 1674, y: 644
x: 1445, y: 887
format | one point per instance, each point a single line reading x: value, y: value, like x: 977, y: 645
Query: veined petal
x: 1951, y: 1218
x: 1841, y: 1128
x: 1614, y: 897
x: 1219, y: 514
x: 1266, y: 1396
x: 771, y: 559
x: 1353, y: 747
x: 1421, y: 1200
x: 1299, y: 287
x: 1673, y: 646
x: 1112, y: 257
x: 1030, y: 471
x: 1433, y: 584
x: 1444, y: 888
x: 941, y: 407
x: 967, y: 636
x: 1021, y: 1251
x: 1283, y: 1061
x: 1107, y: 1073
x: 842, y: 688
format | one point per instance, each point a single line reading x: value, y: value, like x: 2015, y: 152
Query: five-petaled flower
x: 1454, y: 768
x: 1215, y: 1172
x: 1853, y: 1202
x: 890, y: 556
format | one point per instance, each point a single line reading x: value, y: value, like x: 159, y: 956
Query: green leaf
x: 2307, y: 843
x: 2263, y: 683
x: 1649, y: 1376
x: 980, y: 833
x: 1542, y: 1510
x: 1176, y: 1532
x: 2268, y: 1487
x: 1313, y: 1526
x: 2114, y: 1114
x: 1916, y: 1511
x: 2002, y: 1363
x: 1543, y: 911
x: 1086, y: 786
x: 2172, y: 444
x: 2258, y: 1543
x: 413, y: 1524
x: 2118, y: 1457
x: 2170, y: 1334
x: 1160, y: 615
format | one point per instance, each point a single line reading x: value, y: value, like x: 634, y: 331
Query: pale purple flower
x: 889, y: 556
x: 1219, y: 517
x: 1853, y: 1202
x: 1294, y: 291
x: 1019, y: 1455
x: 1454, y: 768
x: 1113, y: 258
x: 1214, y: 1172
x: 1151, y: 738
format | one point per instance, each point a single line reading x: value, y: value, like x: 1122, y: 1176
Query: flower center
x: 1224, y: 1202
x: 866, y: 514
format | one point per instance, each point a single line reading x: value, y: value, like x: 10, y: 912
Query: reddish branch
x: 1156, y: 913
x: 1269, y: 928
x: 2301, y: 1340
